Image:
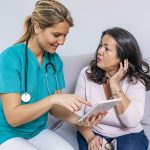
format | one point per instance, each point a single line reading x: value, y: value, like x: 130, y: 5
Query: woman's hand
x: 95, y: 143
x: 71, y: 102
x: 93, y: 120
x: 116, y: 78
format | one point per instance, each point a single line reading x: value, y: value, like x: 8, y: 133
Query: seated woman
x: 117, y: 71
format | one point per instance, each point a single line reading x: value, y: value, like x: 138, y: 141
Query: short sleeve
x: 9, y: 73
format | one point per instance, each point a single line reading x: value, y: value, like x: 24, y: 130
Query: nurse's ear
x: 37, y: 28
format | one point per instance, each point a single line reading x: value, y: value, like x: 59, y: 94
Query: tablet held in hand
x: 102, y: 106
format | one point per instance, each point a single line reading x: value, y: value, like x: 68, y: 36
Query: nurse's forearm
x: 64, y: 114
x: 17, y: 114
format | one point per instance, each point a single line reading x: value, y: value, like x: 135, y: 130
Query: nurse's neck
x: 36, y: 50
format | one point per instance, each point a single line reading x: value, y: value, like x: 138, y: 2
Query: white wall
x: 91, y: 17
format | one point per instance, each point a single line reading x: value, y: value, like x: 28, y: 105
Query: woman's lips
x: 99, y: 60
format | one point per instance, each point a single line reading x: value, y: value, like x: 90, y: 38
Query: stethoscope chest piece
x: 25, y: 97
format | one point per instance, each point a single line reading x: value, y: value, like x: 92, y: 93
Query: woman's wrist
x: 116, y: 92
x: 114, y: 84
x: 90, y: 138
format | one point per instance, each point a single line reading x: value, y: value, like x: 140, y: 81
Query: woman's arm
x: 136, y: 95
x: 116, y: 89
x: 133, y: 100
x: 123, y: 105
x: 93, y: 141
x: 86, y: 132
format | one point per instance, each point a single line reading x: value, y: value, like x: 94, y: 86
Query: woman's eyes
x: 106, y: 48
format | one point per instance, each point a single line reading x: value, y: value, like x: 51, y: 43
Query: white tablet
x: 102, y: 106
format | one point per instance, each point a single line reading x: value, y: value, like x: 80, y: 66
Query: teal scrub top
x: 12, y: 80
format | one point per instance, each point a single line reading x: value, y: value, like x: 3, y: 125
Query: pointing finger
x: 81, y: 100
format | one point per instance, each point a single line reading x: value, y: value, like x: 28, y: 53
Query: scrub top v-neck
x: 12, y: 80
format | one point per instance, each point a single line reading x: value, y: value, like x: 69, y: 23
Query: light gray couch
x: 72, y: 68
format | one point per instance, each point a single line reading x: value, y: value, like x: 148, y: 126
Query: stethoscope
x: 26, y: 97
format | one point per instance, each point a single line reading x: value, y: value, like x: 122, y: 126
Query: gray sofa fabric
x: 72, y: 68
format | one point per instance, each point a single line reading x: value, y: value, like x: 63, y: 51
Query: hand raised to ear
x: 116, y: 78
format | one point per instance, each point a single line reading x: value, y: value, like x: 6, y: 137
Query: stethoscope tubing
x: 26, y: 66
x: 26, y: 96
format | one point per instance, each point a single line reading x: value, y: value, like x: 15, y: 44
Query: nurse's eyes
x: 57, y: 35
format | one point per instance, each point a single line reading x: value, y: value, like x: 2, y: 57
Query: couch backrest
x: 72, y: 68
x: 146, y: 118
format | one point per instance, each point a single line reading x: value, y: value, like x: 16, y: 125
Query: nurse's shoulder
x: 12, y: 55
x: 13, y: 50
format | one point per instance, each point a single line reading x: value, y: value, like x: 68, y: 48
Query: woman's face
x: 50, y: 38
x: 107, y: 58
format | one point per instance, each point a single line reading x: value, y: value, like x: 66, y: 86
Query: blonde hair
x: 46, y: 13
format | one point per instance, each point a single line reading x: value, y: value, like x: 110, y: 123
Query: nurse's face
x: 50, y: 38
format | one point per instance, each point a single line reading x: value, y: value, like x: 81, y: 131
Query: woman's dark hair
x: 127, y: 48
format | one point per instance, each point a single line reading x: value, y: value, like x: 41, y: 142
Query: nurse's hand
x: 71, y: 102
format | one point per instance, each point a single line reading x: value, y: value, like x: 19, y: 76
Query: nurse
x: 31, y: 79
